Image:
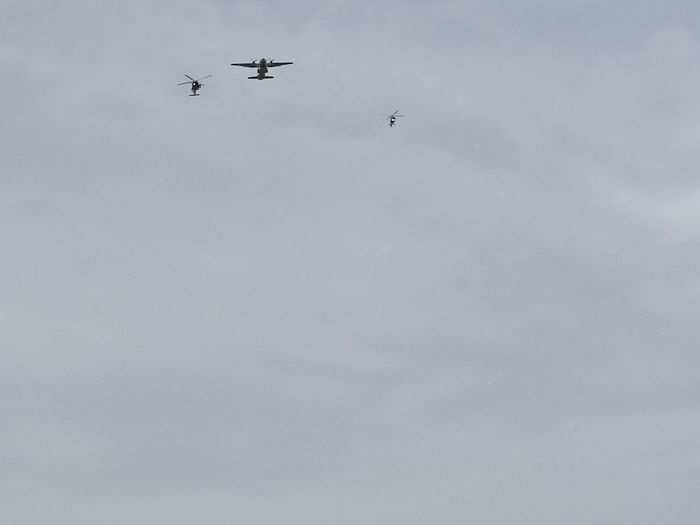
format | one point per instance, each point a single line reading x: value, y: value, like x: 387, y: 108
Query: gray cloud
x: 264, y: 305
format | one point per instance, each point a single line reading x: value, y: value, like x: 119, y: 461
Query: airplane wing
x: 245, y: 64
x: 275, y: 64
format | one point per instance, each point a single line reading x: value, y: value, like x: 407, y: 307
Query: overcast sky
x: 263, y: 305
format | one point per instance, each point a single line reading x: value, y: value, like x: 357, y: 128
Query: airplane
x: 262, y: 66
x: 196, y: 84
x: 393, y: 118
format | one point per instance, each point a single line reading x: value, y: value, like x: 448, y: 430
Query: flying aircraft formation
x: 262, y: 66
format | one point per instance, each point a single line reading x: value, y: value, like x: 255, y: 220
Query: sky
x: 264, y: 305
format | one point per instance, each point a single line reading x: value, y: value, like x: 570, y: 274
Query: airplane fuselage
x: 262, y: 70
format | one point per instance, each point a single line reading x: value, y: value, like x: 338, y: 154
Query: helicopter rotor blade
x: 183, y: 83
x: 206, y: 76
x: 192, y: 79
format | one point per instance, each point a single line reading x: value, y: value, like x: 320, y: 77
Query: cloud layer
x: 264, y: 305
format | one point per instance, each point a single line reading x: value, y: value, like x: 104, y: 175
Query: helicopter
x: 393, y: 118
x: 195, y: 83
x: 262, y: 66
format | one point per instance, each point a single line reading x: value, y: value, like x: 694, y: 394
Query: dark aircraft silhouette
x: 262, y: 66
x: 393, y: 118
x: 196, y: 84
